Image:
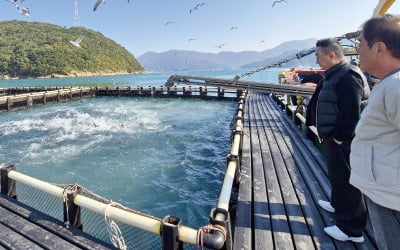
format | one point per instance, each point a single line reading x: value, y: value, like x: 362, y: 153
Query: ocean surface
x: 147, y: 79
x: 161, y: 156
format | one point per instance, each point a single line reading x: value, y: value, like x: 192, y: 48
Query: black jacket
x: 340, y: 101
x: 312, y: 104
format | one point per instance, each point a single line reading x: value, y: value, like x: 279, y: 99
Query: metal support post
x: 8, y: 186
x: 170, y: 233
x: 72, y: 212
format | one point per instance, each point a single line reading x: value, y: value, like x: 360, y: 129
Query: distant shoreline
x: 74, y: 74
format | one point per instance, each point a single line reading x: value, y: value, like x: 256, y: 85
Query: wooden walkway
x: 22, y: 227
x: 283, y: 175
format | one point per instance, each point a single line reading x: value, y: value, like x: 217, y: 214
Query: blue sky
x: 139, y: 26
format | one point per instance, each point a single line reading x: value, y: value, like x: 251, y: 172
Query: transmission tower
x: 76, y: 13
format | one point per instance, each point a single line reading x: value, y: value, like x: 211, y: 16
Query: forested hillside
x: 33, y: 49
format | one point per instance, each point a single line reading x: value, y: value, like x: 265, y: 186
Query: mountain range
x: 175, y: 60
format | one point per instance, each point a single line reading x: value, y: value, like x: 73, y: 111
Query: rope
x: 208, y: 229
x: 113, y: 230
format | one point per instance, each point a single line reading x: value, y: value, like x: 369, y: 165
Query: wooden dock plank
x: 244, y: 221
x: 295, y: 177
x: 293, y: 208
x: 72, y: 235
x: 326, y: 217
x: 264, y: 237
x: 308, y: 206
x: 318, y: 167
x: 266, y: 170
x: 33, y: 232
x: 12, y: 240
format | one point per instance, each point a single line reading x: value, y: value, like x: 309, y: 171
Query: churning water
x: 159, y: 156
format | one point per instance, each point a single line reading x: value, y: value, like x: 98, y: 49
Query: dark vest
x: 327, y: 109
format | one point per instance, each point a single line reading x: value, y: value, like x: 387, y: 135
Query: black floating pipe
x: 214, y: 240
x: 218, y: 239
x: 170, y: 233
x: 170, y: 81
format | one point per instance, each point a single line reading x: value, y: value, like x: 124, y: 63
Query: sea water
x: 147, y: 79
x: 161, y: 156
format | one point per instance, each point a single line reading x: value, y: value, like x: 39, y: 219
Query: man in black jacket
x: 339, y: 105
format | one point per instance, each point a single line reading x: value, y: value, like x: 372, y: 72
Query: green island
x: 35, y: 49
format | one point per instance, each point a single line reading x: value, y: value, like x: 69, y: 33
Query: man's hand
x: 310, y: 84
x: 337, y: 142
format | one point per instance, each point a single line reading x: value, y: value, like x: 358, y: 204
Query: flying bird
x: 14, y: 1
x: 220, y: 46
x: 98, y: 2
x: 169, y: 22
x: 262, y: 41
x: 234, y: 28
x: 78, y: 41
x: 24, y: 11
x: 278, y: 1
x: 196, y: 7
x: 191, y: 39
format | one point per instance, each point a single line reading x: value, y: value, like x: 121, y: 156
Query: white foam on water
x: 52, y: 150
x: 124, y: 148
x: 71, y: 124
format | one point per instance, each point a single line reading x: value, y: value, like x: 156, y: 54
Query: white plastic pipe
x: 186, y: 234
x: 38, y: 184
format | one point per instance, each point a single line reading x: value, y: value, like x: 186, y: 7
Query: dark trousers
x: 350, y: 213
x: 386, y: 225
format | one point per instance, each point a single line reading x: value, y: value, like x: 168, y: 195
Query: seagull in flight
x: 196, y: 7
x: 234, y: 28
x: 98, y: 2
x: 169, y: 22
x: 220, y: 46
x: 78, y: 41
x: 278, y: 1
x: 24, y: 11
x: 15, y: 1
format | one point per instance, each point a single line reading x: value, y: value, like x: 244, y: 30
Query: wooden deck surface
x: 22, y: 227
x: 283, y: 175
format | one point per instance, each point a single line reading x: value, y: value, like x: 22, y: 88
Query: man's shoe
x: 337, y: 234
x: 326, y: 205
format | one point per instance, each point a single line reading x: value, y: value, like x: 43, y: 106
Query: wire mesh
x: 93, y: 223
x: 40, y: 200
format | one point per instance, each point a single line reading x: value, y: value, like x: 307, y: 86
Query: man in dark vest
x: 339, y: 105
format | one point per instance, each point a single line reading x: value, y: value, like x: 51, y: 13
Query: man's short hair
x: 384, y: 29
x: 330, y: 45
